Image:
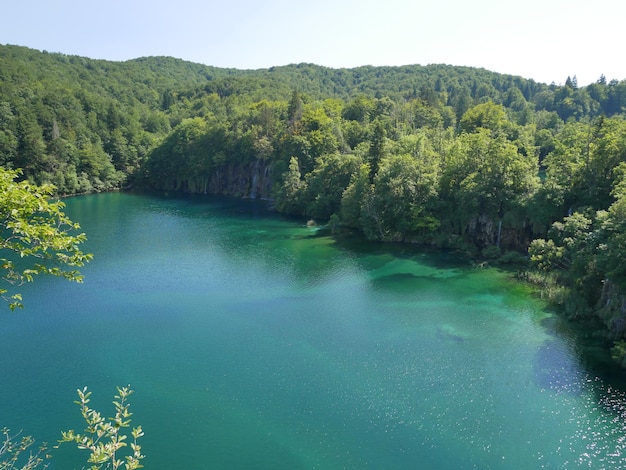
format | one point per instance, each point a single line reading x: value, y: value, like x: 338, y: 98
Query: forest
x: 498, y: 167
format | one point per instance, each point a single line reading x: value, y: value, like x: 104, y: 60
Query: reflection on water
x: 257, y: 342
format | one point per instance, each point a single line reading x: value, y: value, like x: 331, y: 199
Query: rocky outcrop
x: 249, y: 180
x: 484, y: 232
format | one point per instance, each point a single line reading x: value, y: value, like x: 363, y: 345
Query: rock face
x: 248, y: 180
x: 483, y: 231
x: 251, y: 180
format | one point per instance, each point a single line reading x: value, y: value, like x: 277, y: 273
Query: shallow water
x: 257, y: 342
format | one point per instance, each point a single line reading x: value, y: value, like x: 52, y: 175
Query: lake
x: 257, y: 342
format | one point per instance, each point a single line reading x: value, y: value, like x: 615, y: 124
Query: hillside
x: 88, y: 124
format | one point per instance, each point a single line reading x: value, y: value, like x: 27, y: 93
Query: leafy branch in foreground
x: 104, y: 439
x: 33, y: 227
x: 13, y: 452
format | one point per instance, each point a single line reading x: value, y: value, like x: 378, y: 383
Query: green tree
x: 377, y: 147
x: 8, y: 140
x: 611, y: 238
x: 399, y: 205
x: 183, y: 157
x: 580, y: 169
x: 607, y: 149
x: 564, y: 246
x: 289, y: 194
x: 360, y: 109
x: 38, y: 238
x: 486, y: 181
x: 352, y: 199
x: 487, y: 115
x: 319, y: 130
x: 294, y: 111
x: 326, y: 184
x: 30, y: 153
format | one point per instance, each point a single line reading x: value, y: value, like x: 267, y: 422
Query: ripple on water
x: 257, y: 343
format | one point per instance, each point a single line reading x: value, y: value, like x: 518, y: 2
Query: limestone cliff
x: 249, y: 180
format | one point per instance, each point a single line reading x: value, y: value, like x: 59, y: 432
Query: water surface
x: 254, y: 341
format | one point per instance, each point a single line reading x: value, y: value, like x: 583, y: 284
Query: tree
x: 486, y: 179
x: 353, y: 197
x: 326, y: 184
x: 398, y: 206
x: 580, y: 169
x: 360, y: 109
x: 288, y: 195
x: 30, y: 152
x: 377, y: 147
x: 486, y: 116
x: 38, y: 238
x: 566, y: 243
x: 319, y: 130
x: 294, y: 111
x: 8, y: 140
x: 611, y: 237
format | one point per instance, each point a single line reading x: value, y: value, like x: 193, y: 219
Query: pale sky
x: 546, y: 40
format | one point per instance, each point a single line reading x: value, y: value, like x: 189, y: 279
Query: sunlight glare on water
x: 257, y: 342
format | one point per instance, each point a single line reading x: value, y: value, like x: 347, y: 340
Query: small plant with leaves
x: 17, y: 452
x: 103, y: 438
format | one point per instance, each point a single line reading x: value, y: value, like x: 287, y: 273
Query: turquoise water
x: 255, y: 342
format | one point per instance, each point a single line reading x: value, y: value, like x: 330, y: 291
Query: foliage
x: 35, y: 228
x: 327, y: 182
x: 400, y: 204
x: 88, y: 125
x: 290, y: 192
x: 103, y: 438
x: 566, y: 241
x: 354, y: 196
x: 16, y: 452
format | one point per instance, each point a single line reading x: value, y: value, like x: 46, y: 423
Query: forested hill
x: 494, y: 165
x: 159, y: 74
x: 87, y: 124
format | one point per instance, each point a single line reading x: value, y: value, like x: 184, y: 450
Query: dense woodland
x: 497, y: 166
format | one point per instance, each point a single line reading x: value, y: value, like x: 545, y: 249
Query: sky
x: 546, y: 40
